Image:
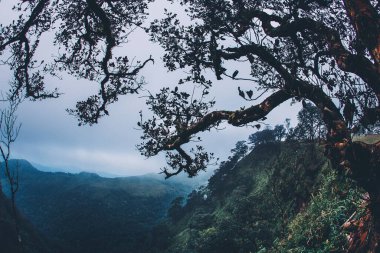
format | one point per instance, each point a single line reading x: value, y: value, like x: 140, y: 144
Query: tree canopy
x: 323, y: 51
x: 318, y: 51
x: 310, y: 124
x: 86, y: 34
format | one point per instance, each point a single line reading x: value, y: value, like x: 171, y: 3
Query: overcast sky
x: 50, y: 137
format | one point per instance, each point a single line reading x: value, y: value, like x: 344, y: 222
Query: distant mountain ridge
x: 85, y: 212
x: 45, y: 168
x: 281, y: 197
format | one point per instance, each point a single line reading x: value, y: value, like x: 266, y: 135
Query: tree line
x: 326, y: 52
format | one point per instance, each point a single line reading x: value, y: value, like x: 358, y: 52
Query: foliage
x: 262, y: 137
x: 275, y: 199
x: 310, y: 125
x: 319, y: 227
x: 216, y: 182
x: 85, y: 36
x: 175, y: 210
x: 87, y: 213
x: 326, y: 52
x: 174, y: 110
x: 317, y: 51
x: 33, y: 241
x: 267, y: 135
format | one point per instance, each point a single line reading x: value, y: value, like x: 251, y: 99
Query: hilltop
x: 280, y: 197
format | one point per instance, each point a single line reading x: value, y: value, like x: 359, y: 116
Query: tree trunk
x: 375, y: 207
x: 362, y: 164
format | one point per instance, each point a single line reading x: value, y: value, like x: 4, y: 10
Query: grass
x: 369, y: 139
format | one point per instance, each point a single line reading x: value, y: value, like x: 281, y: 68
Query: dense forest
x: 33, y: 241
x: 279, y: 197
x: 282, y: 196
x: 321, y: 54
x: 276, y: 192
x: 88, y: 213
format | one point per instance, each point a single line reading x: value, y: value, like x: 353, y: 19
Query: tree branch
x: 346, y: 61
x: 366, y: 22
x: 235, y: 118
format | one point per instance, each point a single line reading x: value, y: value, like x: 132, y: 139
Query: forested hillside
x: 275, y: 193
x: 235, y: 63
x: 87, y: 213
x: 281, y: 197
x: 32, y: 241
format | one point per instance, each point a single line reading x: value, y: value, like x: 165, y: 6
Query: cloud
x: 51, y: 137
x: 66, y: 158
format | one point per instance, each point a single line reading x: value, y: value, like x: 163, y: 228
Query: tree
x: 267, y: 135
x: 310, y: 124
x: 326, y: 52
x: 86, y: 34
x: 262, y: 137
x: 323, y: 51
x: 238, y: 151
x: 9, y: 130
x: 279, y: 132
x: 216, y: 181
x: 175, y: 211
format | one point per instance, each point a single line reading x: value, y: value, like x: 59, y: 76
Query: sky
x: 49, y: 137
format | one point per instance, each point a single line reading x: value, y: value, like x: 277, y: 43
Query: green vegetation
x: 87, y: 213
x: 282, y: 197
x: 325, y: 52
x: 369, y: 139
x: 32, y: 241
x: 319, y: 227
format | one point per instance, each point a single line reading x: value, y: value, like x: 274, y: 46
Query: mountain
x: 281, y: 197
x: 88, y: 213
